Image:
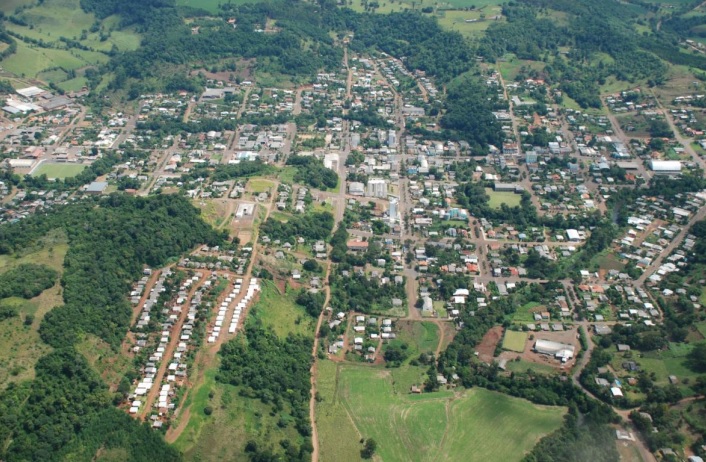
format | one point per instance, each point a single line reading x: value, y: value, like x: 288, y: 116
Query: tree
x: 369, y: 449
x: 697, y: 358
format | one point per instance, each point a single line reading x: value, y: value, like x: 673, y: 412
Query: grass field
x: 259, y: 185
x: 60, y: 171
x: 525, y: 313
x: 421, y: 337
x: 497, y: 198
x: 472, y: 425
x: 514, y: 341
x: 457, y: 21
x: 523, y: 366
x: 280, y: 312
x: 49, y: 22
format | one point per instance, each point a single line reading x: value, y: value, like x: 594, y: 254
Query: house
x: 622, y: 347
x: 616, y: 392
x: 357, y: 246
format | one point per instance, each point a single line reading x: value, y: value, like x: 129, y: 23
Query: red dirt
x: 487, y: 346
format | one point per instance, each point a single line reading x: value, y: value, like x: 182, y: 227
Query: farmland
x: 471, y: 425
x: 53, y: 20
x: 59, y: 171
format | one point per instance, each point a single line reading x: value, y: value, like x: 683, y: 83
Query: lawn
x: 258, y: 185
x: 472, y: 425
x: 59, y: 171
x: 467, y: 23
x: 525, y: 313
x: 420, y: 336
x: 514, y: 341
x: 497, y: 198
x: 286, y: 174
x: 280, y: 312
x: 523, y: 366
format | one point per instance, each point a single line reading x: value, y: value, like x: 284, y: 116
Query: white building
x: 377, y: 187
x: 562, y: 351
x: 665, y: 166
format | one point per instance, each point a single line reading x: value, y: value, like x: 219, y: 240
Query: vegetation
x: 478, y: 424
x: 311, y: 226
x: 65, y: 411
x: 26, y: 281
x: 275, y: 371
x: 311, y: 171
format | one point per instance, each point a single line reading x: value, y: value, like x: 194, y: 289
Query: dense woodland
x: 275, y: 371
x: 66, y: 412
x: 26, y: 281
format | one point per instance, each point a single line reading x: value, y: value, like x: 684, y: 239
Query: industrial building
x: 665, y: 166
x: 377, y: 187
x: 561, y: 351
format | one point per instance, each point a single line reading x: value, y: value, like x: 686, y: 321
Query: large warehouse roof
x: 665, y: 165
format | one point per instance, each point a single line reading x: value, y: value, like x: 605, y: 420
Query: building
x: 561, y: 351
x: 377, y: 187
x: 97, y: 187
x: 573, y: 235
x: 357, y: 245
x: 665, y: 166
x: 392, y: 212
x: 531, y: 157
x: 356, y: 189
x: 508, y: 187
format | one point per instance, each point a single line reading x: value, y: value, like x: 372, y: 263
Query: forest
x: 312, y: 226
x: 311, y: 171
x: 26, y: 281
x: 275, y: 371
x: 66, y: 412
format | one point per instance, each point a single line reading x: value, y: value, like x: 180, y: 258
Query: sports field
x: 497, y: 198
x: 59, y: 171
x: 471, y: 425
x: 515, y: 341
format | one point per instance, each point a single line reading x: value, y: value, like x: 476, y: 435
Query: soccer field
x: 59, y: 171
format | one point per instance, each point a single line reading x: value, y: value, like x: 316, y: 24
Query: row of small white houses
x: 230, y: 300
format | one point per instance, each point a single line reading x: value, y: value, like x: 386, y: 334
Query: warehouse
x: 665, y: 166
x: 561, y: 351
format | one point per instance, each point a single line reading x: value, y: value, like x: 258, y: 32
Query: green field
x: 523, y: 366
x: 525, y: 313
x: 420, y: 336
x: 473, y: 425
x: 49, y: 22
x: 514, y: 341
x: 59, y: 171
x: 281, y: 312
x: 468, y: 23
x: 259, y: 185
x: 497, y: 198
